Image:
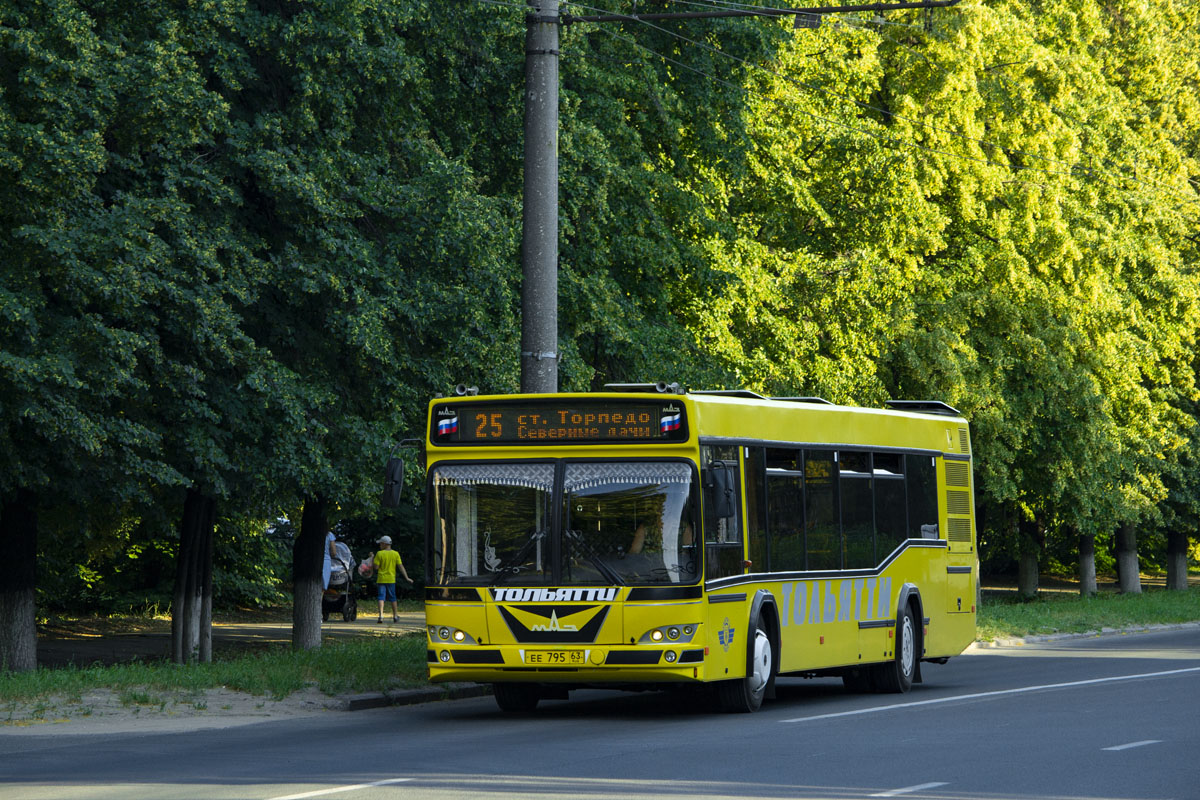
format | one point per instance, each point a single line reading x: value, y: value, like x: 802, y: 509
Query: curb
x: 410, y: 697
x: 979, y: 645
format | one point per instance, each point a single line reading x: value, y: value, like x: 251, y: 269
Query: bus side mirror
x: 720, y: 489
x: 393, y: 482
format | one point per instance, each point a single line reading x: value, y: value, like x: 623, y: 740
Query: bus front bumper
x: 591, y: 665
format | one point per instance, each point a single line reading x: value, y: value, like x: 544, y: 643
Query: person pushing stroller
x: 339, y: 584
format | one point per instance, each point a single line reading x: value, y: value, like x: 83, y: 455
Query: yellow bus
x: 645, y: 536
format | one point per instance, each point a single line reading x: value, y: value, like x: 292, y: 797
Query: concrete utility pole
x: 539, y: 228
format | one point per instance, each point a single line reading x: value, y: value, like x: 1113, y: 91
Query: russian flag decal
x: 447, y: 426
x: 670, y: 422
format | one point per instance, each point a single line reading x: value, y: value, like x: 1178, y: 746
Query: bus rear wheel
x: 896, y: 676
x: 743, y: 695
x: 516, y: 696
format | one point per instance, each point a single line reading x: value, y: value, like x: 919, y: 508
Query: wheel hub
x: 762, y: 662
x: 907, y: 646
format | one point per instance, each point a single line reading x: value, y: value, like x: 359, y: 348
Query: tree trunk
x: 1129, y: 572
x: 191, y: 623
x: 184, y: 561
x: 18, y: 557
x: 1027, y: 562
x: 208, y: 533
x: 1177, y: 571
x: 1087, y: 564
x: 307, y: 558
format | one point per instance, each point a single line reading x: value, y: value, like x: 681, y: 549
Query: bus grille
x: 958, y: 530
x: 956, y: 474
x: 958, y: 502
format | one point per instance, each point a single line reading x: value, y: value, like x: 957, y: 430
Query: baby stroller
x: 339, y: 597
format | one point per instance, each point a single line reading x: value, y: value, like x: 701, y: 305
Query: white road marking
x: 998, y: 693
x: 1132, y: 745
x: 338, y: 789
x: 909, y: 789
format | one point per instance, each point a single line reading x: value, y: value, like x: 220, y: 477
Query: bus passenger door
x: 723, y: 547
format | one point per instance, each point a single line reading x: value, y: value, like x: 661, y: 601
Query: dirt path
x: 89, y: 642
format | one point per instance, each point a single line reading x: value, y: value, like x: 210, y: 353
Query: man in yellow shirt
x: 387, y: 561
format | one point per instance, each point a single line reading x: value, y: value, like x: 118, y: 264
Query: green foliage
x: 245, y: 242
x: 251, y: 565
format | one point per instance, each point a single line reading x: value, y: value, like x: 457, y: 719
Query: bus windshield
x: 621, y: 523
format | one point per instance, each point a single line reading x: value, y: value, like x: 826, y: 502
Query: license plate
x: 552, y: 658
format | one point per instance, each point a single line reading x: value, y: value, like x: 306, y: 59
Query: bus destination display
x: 464, y: 423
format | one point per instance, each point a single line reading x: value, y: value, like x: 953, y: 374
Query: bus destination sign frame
x: 556, y: 422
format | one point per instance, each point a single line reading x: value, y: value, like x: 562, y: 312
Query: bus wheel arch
x: 766, y: 613
x: 898, y: 674
x: 746, y: 694
x: 910, y: 595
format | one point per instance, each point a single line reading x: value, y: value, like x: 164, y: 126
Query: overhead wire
x: 504, y: 3
x: 713, y: 4
x: 1057, y: 112
x: 1072, y: 167
x: 862, y: 23
x: 896, y: 141
x: 862, y: 105
x: 1072, y: 170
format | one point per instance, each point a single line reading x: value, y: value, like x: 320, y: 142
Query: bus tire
x: 744, y: 695
x: 516, y: 696
x: 896, y: 676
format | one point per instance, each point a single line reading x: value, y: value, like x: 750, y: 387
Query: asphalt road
x: 1099, y: 718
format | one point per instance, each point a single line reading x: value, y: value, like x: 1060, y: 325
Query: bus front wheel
x: 746, y: 694
x: 897, y: 675
x: 516, y: 696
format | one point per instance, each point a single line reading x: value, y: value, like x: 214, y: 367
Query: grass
x: 1004, y: 616
x: 374, y: 663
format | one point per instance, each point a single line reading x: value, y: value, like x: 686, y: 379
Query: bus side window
x: 856, y: 491
x: 756, y: 510
x: 822, y: 525
x: 921, y: 475
x: 722, y: 534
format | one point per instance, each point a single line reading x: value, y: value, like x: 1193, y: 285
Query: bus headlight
x: 671, y: 633
x: 445, y: 633
x: 444, y: 656
x: 669, y: 656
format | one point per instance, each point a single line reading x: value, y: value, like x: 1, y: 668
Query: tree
x: 66, y: 368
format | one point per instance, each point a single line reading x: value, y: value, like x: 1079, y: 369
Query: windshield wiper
x: 503, y: 570
x: 576, y: 537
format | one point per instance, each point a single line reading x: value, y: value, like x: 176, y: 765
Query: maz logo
x: 554, y: 625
